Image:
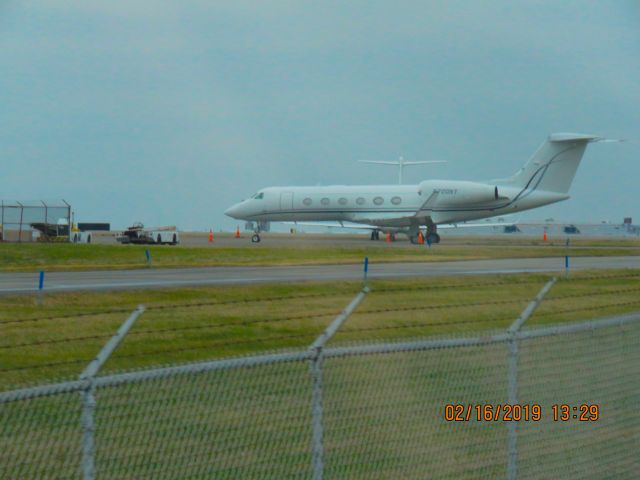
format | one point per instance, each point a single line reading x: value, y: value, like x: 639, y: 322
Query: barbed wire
x: 173, y: 329
x: 172, y: 306
x: 307, y: 296
x: 426, y: 325
x: 439, y: 306
x: 346, y: 330
x: 584, y: 309
x: 450, y: 285
x: 553, y: 297
x: 321, y: 315
x: 84, y: 361
x: 117, y: 355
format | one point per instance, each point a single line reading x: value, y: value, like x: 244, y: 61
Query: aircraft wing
x: 347, y: 226
x: 466, y: 225
x: 364, y: 226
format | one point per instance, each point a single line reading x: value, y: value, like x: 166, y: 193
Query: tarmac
x: 18, y: 283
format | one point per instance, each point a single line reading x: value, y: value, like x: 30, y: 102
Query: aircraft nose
x: 233, y: 211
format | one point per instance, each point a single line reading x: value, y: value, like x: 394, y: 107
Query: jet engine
x: 462, y: 193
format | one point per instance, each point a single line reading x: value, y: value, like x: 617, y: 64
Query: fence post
x: 88, y: 397
x: 316, y: 415
x: 512, y: 377
x: 316, y: 349
x: 20, y: 227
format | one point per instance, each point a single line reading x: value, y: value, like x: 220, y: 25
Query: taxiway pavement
x: 17, y: 283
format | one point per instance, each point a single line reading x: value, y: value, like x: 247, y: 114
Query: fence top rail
x: 618, y: 320
x: 42, y: 391
x: 333, y: 352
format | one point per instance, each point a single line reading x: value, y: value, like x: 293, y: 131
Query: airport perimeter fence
x: 479, y: 405
x: 20, y: 220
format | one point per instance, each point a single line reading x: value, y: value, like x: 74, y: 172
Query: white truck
x: 138, y: 234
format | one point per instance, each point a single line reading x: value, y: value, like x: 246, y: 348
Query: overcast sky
x: 169, y: 112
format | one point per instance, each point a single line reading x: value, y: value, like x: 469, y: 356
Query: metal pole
x: 46, y: 213
x: 512, y: 431
x: 512, y: 377
x: 533, y: 305
x: 88, y: 397
x: 20, y: 227
x: 316, y: 376
x: 68, y: 219
x: 317, y: 413
x: 88, y: 430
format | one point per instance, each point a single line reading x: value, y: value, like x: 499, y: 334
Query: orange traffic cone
x: 210, y: 235
x: 420, y: 238
x: 238, y: 232
x: 388, y: 240
x: 544, y: 235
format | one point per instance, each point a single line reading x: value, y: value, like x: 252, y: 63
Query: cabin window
x: 324, y: 201
x: 396, y: 200
x: 360, y: 201
x: 259, y: 196
x: 378, y: 200
x: 342, y: 201
x: 307, y: 201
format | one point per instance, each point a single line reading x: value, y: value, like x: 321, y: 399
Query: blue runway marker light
x: 366, y: 269
x: 566, y: 262
x: 146, y: 252
x: 41, y: 282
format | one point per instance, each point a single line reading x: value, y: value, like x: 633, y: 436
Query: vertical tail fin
x: 553, y: 166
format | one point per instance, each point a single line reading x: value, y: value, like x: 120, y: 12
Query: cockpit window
x: 258, y: 196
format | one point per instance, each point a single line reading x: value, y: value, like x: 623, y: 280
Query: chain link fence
x: 348, y: 410
x: 28, y: 221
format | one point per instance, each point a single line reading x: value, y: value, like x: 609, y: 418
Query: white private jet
x: 543, y: 180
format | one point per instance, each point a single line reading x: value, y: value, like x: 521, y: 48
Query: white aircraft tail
x: 553, y: 166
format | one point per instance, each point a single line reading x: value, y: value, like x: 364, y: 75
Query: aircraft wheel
x: 433, y: 238
x: 255, y: 238
x: 373, y: 235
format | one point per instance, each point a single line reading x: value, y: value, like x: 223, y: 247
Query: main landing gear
x: 375, y: 234
x: 417, y: 238
x: 432, y: 234
x: 433, y: 238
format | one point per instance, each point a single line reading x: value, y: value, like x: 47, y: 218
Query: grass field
x: 383, y: 413
x: 58, y: 338
x: 55, y: 257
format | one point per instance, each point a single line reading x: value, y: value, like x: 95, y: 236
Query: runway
x: 17, y: 283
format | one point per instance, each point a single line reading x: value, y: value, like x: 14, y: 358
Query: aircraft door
x: 286, y: 201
